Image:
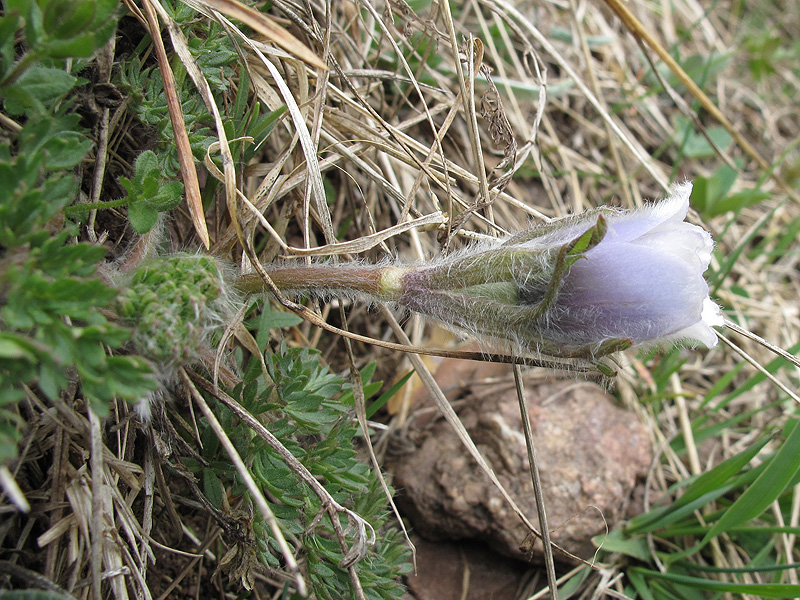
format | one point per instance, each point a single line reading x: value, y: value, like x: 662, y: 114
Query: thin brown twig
x: 258, y: 497
x: 536, y: 480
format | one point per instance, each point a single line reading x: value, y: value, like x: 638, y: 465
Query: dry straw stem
x: 99, y: 534
x: 266, y: 26
x: 105, y: 61
x: 194, y: 200
x: 536, y: 480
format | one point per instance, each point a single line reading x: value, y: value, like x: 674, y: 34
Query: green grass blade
x: 773, y: 480
x: 384, y: 398
x: 702, y: 490
x: 763, y: 590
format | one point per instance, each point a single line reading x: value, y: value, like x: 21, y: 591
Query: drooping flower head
x: 581, y: 286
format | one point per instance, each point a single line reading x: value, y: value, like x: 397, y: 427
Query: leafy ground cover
x: 150, y: 151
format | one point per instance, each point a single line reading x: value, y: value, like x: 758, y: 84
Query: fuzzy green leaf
x: 146, y: 164
x: 142, y: 217
x: 36, y: 88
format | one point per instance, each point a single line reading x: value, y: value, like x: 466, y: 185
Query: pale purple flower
x: 643, y: 281
x: 582, y: 286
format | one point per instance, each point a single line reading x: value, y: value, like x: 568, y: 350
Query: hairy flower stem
x: 581, y: 287
x: 379, y: 282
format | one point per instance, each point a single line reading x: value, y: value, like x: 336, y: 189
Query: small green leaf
x: 708, y: 192
x: 616, y: 541
x: 37, y: 87
x: 384, y: 398
x: 66, y: 150
x: 72, y: 33
x: 587, y: 240
x: 738, y: 201
x: 142, y: 217
x: 213, y: 488
x: 126, y: 183
x: 149, y: 188
x: 146, y: 163
x: 12, y: 348
x: 277, y: 319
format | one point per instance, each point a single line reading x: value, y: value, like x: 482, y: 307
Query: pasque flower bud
x: 582, y: 286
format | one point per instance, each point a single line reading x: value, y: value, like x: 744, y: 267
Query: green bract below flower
x: 582, y: 286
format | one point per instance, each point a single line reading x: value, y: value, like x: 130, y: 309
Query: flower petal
x: 628, y: 291
x: 701, y: 331
x: 692, y: 243
x: 631, y: 225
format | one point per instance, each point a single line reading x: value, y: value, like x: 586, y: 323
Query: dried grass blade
x: 267, y: 27
x: 768, y: 345
x: 509, y: 11
x: 368, y: 242
x: 193, y: 69
x: 591, y: 67
x: 466, y: 82
x: 10, y: 487
x: 309, y: 148
x: 98, y: 492
x: 194, y: 200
